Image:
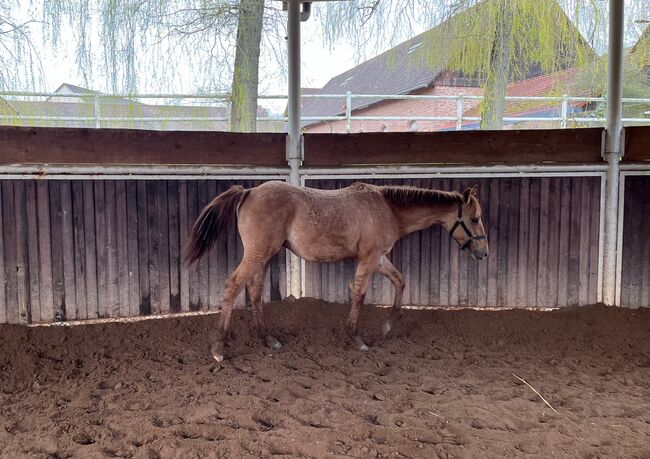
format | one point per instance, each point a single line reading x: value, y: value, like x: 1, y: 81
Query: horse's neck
x: 418, y: 217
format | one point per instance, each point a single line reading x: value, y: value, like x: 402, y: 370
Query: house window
x: 413, y: 126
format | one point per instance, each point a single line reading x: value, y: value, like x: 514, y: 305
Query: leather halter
x: 459, y: 222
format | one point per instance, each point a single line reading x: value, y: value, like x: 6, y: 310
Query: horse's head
x: 468, y: 229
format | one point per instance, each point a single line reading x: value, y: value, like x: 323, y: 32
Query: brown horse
x: 361, y: 221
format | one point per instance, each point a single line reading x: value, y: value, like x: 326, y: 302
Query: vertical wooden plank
x: 122, y: 238
x: 22, y: 256
x: 184, y: 231
x: 553, y: 248
x: 32, y: 252
x: 67, y: 230
x: 593, y: 239
x: 275, y: 270
x: 113, y: 283
x: 204, y: 288
x: 574, y: 243
x: 482, y: 271
x: 634, y: 239
x: 44, y: 251
x: 446, y: 246
x: 644, y: 295
x: 91, y: 249
x: 9, y: 214
x: 533, y: 241
x: 192, y: 214
x: 505, y: 186
x: 133, y: 241
x: 542, y: 256
x: 56, y: 235
x: 3, y: 276
x: 414, y: 259
x: 174, y: 247
x: 513, y: 243
x: 563, y: 259
x: 523, y: 241
x: 454, y: 261
x: 101, y: 241
x: 223, y: 270
x: 583, y: 255
x: 214, y: 282
x: 143, y: 247
x: 154, y: 245
x: 425, y: 267
x: 163, y: 234
x: 463, y: 263
x: 495, y: 231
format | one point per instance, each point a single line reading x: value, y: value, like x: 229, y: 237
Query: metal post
x: 294, y: 137
x: 348, y: 112
x: 459, y: 113
x: 97, y: 123
x: 564, y: 111
x: 613, y: 149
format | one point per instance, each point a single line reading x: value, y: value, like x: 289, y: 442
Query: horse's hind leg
x: 365, y: 270
x: 389, y: 270
x: 254, y: 287
x: 246, y: 270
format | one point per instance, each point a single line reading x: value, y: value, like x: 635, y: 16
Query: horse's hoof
x: 217, y: 351
x: 361, y: 345
x: 386, y: 328
x: 272, y: 342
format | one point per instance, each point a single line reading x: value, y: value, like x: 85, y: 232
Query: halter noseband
x: 468, y: 232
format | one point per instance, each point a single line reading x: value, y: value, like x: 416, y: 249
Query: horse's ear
x: 469, y: 192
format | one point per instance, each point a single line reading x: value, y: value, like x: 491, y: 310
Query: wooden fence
x: 111, y: 245
x: 82, y: 249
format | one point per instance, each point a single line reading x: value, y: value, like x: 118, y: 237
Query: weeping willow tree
x: 19, y: 63
x: 492, y: 41
x: 164, y: 43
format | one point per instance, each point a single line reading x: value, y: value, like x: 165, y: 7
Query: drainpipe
x: 613, y: 148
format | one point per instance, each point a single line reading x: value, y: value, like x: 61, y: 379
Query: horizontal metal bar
x: 514, y: 170
x: 142, y: 170
x: 635, y: 169
x: 227, y: 96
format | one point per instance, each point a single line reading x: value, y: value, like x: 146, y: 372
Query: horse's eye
x: 475, y: 219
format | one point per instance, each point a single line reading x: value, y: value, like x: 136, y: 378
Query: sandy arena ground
x: 441, y: 386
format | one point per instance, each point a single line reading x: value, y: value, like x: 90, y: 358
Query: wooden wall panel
x: 635, y: 273
x: 543, y: 249
x: 35, y: 145
x: 537, y: 146
x: 81, y: 249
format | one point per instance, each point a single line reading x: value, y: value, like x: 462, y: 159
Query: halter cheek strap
x: 460, y: 222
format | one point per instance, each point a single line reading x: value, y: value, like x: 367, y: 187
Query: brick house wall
x: 405, y: 108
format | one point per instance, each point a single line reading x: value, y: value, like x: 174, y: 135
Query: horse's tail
x: 214, y: 221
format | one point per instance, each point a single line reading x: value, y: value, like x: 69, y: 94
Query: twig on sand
x: 538, y: 394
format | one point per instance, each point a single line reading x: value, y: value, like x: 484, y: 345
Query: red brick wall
x: 406, y: 108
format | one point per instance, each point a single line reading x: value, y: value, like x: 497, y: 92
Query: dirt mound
x: 441, y: 386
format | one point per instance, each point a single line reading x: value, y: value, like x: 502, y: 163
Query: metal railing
x: 222, y: 101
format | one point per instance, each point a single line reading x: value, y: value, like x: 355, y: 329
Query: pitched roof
x: 550, y: 85
x: 413, y: 64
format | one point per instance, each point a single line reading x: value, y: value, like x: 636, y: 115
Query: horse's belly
x: 320, y: 251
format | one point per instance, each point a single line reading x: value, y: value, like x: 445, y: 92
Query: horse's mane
x: 402, y: 196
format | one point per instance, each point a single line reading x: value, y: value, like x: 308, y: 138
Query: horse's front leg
x: 359, y: 287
